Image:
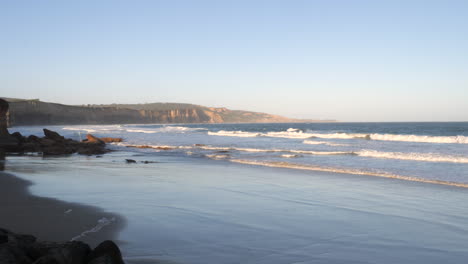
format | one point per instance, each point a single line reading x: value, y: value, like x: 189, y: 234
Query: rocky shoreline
x: 26, y: 249
x: 22, y: 211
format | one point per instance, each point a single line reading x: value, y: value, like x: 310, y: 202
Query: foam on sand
x: 279, y: 164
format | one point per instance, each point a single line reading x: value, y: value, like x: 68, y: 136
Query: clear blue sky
x: 348, y: 60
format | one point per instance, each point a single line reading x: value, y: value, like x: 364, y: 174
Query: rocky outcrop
x: 54, y: 144
x: 26, y: 249
x: 4, y: 107
x: 7, y: 142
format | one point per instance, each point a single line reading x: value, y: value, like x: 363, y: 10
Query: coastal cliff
x: 36, y: 112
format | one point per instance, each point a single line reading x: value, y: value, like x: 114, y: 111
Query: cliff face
x: 35, y: 112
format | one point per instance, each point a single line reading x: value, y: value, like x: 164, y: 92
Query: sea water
x: 273, y: 193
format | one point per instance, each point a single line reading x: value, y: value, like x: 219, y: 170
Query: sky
x: 348, y: 60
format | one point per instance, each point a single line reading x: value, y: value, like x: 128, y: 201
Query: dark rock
x: 47, y: 260
x: 3, y: 238
x: 24, y: 249
x: 130, y: 161
x: 32, y: 138
x: 12, y: 254
x: 74, y: 252
x: 7, y: 142
x: 3, y: 118
x: 91, y: 149
x: 53, y: 135
x: 148, y: 162
x: 18, y: 137
x: 106, y: 253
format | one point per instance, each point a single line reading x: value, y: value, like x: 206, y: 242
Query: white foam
x: 423, y: 139
x: 289, y: 165
x: 142, y: 131
x: 100, y: 224
x: 313, y: 142
x: 290, y: 156
x: 428, y: 157
x: 295, y: 133
x: 218, y: 156
x: 394, y: 137
x: 233, y: 134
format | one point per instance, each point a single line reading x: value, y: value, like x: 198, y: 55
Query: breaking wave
x: 429, y: 157
x: 299, y: 134
x: 287, y: 153
x: 234, y: 134
x: 278, y: 164
x: 313, y: 142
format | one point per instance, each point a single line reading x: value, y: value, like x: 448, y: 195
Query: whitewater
x: 270, y: 193
x: 436, y: 152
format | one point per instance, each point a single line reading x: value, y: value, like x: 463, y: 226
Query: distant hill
x: 36, y: 112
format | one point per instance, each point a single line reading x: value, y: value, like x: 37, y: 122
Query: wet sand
x: 50, y: 219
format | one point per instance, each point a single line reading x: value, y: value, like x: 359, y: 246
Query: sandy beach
x: 50, y: 219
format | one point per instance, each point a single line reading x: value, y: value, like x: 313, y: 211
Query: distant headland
x: 35, y: 112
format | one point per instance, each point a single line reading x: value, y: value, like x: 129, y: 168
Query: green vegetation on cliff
x: 36, y: 112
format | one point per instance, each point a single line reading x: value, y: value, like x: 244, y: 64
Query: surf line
x: 279, y: 164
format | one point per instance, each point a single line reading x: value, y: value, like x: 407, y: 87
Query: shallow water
x: 431, y: 152
x: 192, y: 210
x: 203, y: 203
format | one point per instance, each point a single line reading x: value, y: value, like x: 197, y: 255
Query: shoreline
x: 50, y: 219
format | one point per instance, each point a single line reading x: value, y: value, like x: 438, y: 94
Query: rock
x: 148, y: 162
x: 19, y: 137
x: 111, y: 139
x: 74, y: 252
x: 130, y: 161
x: 32, y: 138
x: 7, y: 142
x: 106, y: 253
x: 91, y: 149
x: 47, y: 260
x: 92, y: 139
x: 3, y: 118
x: 24, y: 249
x: 53, y: 135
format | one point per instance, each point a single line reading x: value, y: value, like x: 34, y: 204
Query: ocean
x: 272, y: 193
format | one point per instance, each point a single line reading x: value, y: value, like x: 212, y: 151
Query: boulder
x: 3, y: 118
x: 19, y: 137
x: 91, y: 149
x: 7, y: 142
x: 106, y: 253
x: 25, y: 249
x: 52, y: 135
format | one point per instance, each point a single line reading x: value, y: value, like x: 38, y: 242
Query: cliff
x: 36, y: 112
